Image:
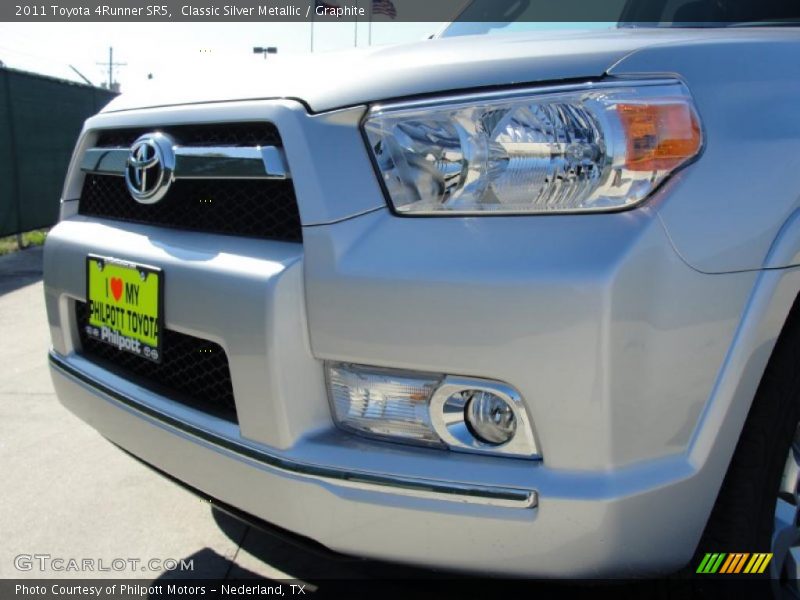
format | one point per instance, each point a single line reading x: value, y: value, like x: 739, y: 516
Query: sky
x: 161, y: 49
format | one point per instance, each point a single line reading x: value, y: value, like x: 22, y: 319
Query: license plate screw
x: 142, y: 275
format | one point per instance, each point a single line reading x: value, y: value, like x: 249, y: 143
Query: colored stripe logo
x: 734, y: 563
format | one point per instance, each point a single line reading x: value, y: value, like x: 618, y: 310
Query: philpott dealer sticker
x: 125, y: 306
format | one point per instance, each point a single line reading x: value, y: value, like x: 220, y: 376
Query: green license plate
x: 125, y: 305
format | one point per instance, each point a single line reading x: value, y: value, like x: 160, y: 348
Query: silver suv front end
x: 584, y: 318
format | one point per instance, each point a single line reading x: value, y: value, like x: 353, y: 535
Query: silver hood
x: 333, y: 80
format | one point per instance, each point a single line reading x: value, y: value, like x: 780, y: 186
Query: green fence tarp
x: 40, y: 119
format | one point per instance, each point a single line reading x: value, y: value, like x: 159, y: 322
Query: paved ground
x: 69, y: 493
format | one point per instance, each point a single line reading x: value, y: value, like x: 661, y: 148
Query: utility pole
x: 369, y: 38
x: 265, y: 50
x: 111, y: 65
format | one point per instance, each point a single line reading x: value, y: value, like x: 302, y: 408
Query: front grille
x: 203, y: 134
x: 244, y: 207
x: 260, y: 208
x: 193, y: 371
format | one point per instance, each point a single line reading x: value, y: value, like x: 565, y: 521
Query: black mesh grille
x: 244, y: 207
x: 212, y: 134
x: 192, y: 371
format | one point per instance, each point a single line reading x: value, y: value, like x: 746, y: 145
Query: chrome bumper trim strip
x: 406, y: 486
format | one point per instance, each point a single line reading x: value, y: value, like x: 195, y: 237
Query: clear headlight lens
x: 383, y: 403
x: 594, y: 148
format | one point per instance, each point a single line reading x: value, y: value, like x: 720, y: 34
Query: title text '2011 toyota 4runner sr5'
x: 520, y: 303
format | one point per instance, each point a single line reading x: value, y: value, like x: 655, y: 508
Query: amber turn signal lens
x: 660, y: 137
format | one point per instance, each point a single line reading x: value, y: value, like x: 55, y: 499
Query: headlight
x: 592, y: 148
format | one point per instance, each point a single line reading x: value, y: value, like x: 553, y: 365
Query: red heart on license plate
x: 116, y: 288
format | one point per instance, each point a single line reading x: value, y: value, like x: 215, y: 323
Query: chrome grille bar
x: 222, y: 162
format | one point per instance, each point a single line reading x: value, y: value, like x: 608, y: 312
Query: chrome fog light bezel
x: 448, y: 416
x: 445, y: 414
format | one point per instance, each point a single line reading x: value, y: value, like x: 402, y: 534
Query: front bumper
x: 616, y: 494
x: 80, y: 370
x: 464, y: 526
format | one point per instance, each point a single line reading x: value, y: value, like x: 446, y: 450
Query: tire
x: 744, y: 516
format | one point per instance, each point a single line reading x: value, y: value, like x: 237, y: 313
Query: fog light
x: 382, y: 402
x: 460, y: 413
x: 479, y: 415
x: 489, y: 417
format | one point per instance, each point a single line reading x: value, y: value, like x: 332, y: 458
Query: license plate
x: 125, y: 305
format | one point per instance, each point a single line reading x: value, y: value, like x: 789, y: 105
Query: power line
x: 36, y: 63
x: 82, y: 76
x: 38, y: 57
